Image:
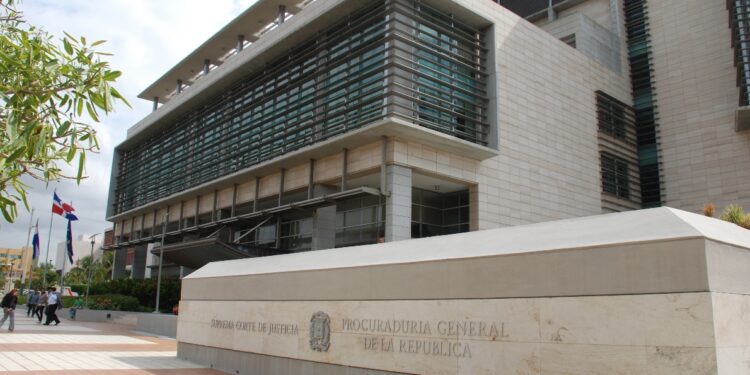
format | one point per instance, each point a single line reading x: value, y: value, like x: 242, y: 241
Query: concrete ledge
x: 107, y: 316
x: 157, y: 324
x: 236, y: 362
x: 639, y: 252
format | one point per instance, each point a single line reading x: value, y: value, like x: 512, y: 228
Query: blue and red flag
x: 61, y: 208
x: 57, y: 205
x: 69, y: 243
x: 35, y: 242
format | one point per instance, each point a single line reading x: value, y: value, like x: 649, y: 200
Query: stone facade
x: 704, y: 158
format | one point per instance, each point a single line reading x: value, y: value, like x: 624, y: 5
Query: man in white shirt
x: 52, y: 302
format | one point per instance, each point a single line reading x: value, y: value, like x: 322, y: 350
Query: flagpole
x: 65, y: 260
x: 31, y: 268
x: 28, y: 238
x: 49, y: 237
x: 68, y: 242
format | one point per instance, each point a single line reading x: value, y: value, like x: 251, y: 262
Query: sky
x: 147, y: 38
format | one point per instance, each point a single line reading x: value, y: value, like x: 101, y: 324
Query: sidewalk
x: 87, y: 348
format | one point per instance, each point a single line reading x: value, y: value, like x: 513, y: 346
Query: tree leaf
x: 68, y: 47
x: 92, y: 112
x: 112, y: 75
x: 4, y: 207
x: 62, y: 129
x: 71, y: 154
x: 16, y: 154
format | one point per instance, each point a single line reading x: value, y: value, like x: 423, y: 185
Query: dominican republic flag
x: 69, y: 243
x: 35, y: 242
x: 63, y: 209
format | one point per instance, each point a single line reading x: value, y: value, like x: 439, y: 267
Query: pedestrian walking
x: 41, y: 306
x: 52, y: 301
x: 32, y: 302
x: 9, y: 307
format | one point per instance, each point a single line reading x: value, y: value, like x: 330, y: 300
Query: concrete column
x: 150, y: 259
x: 324, y: 221
x: 240, y: 42
x: 118, y: 268
x: 138, y: 271
x: 398, y: 203
x: 324, y: 228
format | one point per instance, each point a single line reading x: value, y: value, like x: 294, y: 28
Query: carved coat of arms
x: 320, y: 332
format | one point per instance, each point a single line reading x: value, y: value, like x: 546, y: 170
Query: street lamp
x: 91, y: 267
x: 10, y: 273
x: 161, y: 259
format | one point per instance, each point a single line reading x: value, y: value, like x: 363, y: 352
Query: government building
x: 308, y: 125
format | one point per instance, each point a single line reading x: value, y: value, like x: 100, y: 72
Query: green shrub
x: 143, y: 290
x: 68, y: 301
x: 116, y: 302
x: 78, y: 288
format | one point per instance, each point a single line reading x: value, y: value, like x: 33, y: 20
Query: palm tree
x: 102, y: 268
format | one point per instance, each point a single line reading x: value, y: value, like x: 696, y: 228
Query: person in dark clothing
x: 9, y: 306
x: 32, y: 302
x: 52, y: 299
x: 40, y: 306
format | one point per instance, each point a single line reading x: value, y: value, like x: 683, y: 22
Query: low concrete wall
x: 107, y: 316
x: 158, y: 324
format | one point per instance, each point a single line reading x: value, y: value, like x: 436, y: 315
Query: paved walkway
x: 87, y: 348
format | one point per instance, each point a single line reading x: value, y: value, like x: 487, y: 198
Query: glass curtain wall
x: 392, y: 58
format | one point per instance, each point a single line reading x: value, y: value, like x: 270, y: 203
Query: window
x: 615, y: 175
x: 569, y: 40
x: 448, y: 75
x: 296, y: 235
x: 615, y: 118
x: 434, y: 214
x: 360, y: 221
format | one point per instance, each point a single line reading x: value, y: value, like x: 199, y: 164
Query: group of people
x: 39, y: 303
x: 44, y: 302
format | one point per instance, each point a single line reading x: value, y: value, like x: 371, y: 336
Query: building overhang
x: 197, y: 253
x: 250, y: 24
x: 390, y: 127
x: 307, y: 204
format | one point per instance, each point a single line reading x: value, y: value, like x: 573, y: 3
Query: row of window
x: 362, y: 221
x: 644, y: 101
x: 740, y: 24
x: 617, y: 143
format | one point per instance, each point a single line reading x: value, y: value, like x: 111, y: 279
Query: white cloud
x: 147, y: 38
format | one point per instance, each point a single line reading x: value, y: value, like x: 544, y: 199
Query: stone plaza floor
x: 75, y: 347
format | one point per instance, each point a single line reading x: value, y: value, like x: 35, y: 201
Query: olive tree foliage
x: 51, y: 92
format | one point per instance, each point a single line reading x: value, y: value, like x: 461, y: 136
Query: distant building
x: 15, y: 264
x: 81, y: 248
x: 307, y: 125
